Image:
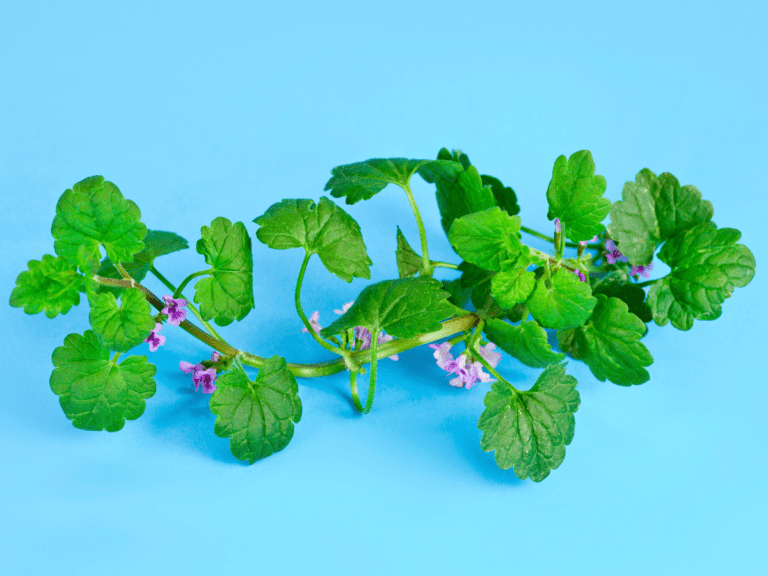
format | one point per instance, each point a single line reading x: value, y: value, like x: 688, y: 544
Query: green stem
x: 190, y: 306
x: 353, y: 389
x: 438, y: 264
x: 646, y: 283
x: 493, y: 371
x: 297, y: 299
x: 372, y: 375
x: 213, y: 342
x: 550, y: 239
x: 115, y: 357
x: 177, y: 292
x: 422, y: 232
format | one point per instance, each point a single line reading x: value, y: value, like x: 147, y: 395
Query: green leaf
x: 530, y: 430
x: 93, y: 213
x: 506, y: 199
x: 120, y: 328
x: 487, y: 238
x: 575, y: 195
x: 403, y: 308
x: 227, y: 294
x: 323, y: 229
x: 156, y: 243
x: 462, y: 195
x: 363, y: 180
x: 51, y: 285
x: 514, y: 284
x: 409, y: 263
x: 458, y: 296
x: 706, y: 265
x: 97, y: 393
x: 259, y: 416
x: 566, y: 304
x: 652, y: 210
x: 609, y: 343
x: 527, y: 342
x: 617, y: 285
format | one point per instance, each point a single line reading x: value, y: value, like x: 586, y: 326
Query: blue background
x: 196, y: 112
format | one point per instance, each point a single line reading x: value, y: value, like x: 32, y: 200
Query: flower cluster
x: 468, y: 373
x: 644, y: 271
x: 580, y: 274
x: 200, y: 375
x: 613, y: 253
x: 361, y: 333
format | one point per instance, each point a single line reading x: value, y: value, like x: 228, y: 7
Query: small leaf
x: 652, y: 210
x: 323, y: 229
x: 93, y: 213
x: 120, y: 328
x: 228, y: 294
x: 409, y: 263
x: 403, y: 308
x: 487, y: 238
x: 97, y: 393
x: 506, y: 199
x: 706, y: 265
x: 156, y: 243
x: 513, y: 285
x: 363, y: 180
x: 530, y: 430
x: 259, y: 416
x: 527, y: 342
x: 51, y: 285
x: 575, y: 195
x: 566, y: 304
x: 609, y: 343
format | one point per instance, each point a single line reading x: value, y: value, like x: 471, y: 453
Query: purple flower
x: 557, y: 225
x: 363, y: 334
x: 344, y: 308
x: 467, y: 373
x: 313, y: 321
x: 613, y: 253
x: 215, y: 356
x: 154, y: 339
x: 174, y: 310
x: 200, y: 376
x: 206, y: 379
x: 580, y: 274
x: 488, y: 354
x: 644, y: 271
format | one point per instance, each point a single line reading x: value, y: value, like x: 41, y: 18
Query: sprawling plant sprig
x: 506, y: 297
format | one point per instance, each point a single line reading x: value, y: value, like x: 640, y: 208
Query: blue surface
x: 198, y: 112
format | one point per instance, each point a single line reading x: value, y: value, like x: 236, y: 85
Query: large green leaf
x: 51, y: 285
x: 97, y: 393
x: 530, y: 430
x: 227, y: 294
x: 488, y: 238
x: 409, y: 263
x: 567, y: 303
x: 609, y: 343
x: 706, y: 265
x: 94, y: 213
x: 403, y: 308
x: 652, y: 210
x: 575, y: 195
x: 527, y: 342
x: 363, y: 180
x: 323, y: 229
x: 122, y: 327
x: 259, y: 416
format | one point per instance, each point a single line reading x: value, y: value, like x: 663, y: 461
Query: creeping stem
x: 372, y: 376
x: 533, y: 232
x: 428, y: 266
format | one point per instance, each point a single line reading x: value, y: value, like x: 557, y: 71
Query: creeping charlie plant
x: 588, y: 289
